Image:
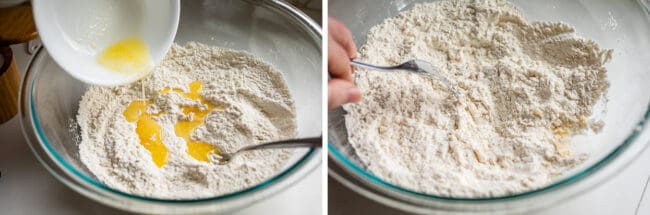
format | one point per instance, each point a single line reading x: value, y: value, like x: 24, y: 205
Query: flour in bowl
x: 200, y: 100
x: 525, y: 88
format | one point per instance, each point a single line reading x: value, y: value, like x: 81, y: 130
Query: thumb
x: 341, y: 92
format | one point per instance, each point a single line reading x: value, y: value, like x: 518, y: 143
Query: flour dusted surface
x: 525, y: 89
x: 258, y: 108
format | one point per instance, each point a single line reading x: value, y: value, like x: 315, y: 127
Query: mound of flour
x: 525, y: 89
x: 258, y: 108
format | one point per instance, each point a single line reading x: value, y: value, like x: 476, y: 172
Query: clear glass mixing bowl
x: 271, y: 30
x: 620, y: 25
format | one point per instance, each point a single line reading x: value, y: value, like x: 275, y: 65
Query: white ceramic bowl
x: 76, y: 31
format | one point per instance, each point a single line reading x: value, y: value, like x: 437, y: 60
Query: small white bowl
x: 76, y: 31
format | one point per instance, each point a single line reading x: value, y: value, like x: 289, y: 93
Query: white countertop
x: 27, y: 188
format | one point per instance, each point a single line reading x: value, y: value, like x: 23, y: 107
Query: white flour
x: 525, y: 89
x: 258, y: 108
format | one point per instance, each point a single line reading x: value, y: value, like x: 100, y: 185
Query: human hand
x: 341, y: 49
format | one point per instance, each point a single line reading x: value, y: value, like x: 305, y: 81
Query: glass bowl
x: 622, y: 25
x: 271, y: 30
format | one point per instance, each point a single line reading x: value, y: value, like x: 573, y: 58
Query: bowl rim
x: 310, y: 26
x: 362, y: 173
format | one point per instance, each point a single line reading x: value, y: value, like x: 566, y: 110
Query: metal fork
x: 314, y: 142
x: 415, y: 66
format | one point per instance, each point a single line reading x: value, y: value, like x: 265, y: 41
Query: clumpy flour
x: 243, y: 101
x: 525, y: 89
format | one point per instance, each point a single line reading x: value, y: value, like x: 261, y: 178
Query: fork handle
x: 370, y: 66
x: 314, y: 142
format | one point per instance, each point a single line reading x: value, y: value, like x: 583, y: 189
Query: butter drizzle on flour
x: 257, y: 107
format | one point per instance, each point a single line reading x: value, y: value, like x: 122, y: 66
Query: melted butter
x: 562, y: 131
x: 148, y: 130
x: 165, y: 90
x: 127, y: 56
x: 197, y: 149
x: 561, y: 144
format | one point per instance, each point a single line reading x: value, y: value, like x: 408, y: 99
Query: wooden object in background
x: 9, y: 85
x: 17, y: 25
